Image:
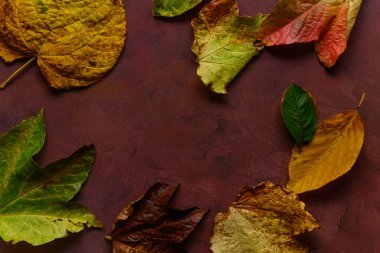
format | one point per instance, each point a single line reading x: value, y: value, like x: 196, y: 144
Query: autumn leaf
x: 224, y: 42
x: 149, y: 225
x: 299, y: 112
x: 75, y: 42
x: 334, y: 41
x: 172, y: 8
x: 327, y: 22
x: 34, y: 201
x: 265, y: 219
x: 332, y: 152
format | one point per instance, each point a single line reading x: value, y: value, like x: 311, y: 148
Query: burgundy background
x: 153, y: 120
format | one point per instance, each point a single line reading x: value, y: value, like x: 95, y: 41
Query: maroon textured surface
x: 153, y: 120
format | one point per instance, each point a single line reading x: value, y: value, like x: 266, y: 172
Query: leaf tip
x: 92, y: 147
x: 219, y: 90
x: 97, y: 224
x: 41, y: 113
x: 204, y: 212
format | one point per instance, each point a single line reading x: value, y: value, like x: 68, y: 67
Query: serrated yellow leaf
x: 332, y: 152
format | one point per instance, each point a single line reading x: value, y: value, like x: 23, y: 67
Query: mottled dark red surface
x: 153, y: 120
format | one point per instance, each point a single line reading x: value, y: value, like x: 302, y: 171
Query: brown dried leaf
x: 263, y: 219
x: 148, y: 225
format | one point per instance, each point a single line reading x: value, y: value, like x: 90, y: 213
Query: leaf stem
x: 22, y: 68
x: 361, y: 100
x: 299, y: 146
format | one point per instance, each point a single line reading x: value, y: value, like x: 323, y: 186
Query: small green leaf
x: 33, y: 200
x: 172, y: 8
x: 224, y: 42
x: 299, y: 112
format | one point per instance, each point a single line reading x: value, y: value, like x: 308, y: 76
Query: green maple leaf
x: 34, y: 200
x: 224, y: 42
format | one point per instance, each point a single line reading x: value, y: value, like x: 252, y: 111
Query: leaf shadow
x: 208, y: 94
x: 60, y: 92
x: 59, y: 245
x: 303, y: 50
x: 338, y: 68
x: 201, y: 228
x: 338, y: 188
x: 238, y: 78
x: 292, y: 51
x: 310, y: 240
x: 41, y: 157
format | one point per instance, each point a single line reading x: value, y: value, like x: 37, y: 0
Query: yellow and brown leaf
x: 224, y: 42
x: 263, y: 219
x: 75, y: 42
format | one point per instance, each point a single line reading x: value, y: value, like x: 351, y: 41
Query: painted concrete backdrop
x: 152, y: 119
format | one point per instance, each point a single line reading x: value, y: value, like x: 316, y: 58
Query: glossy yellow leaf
x: 332, y: 152
x: 263, y: 219
x: 75, y: 42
